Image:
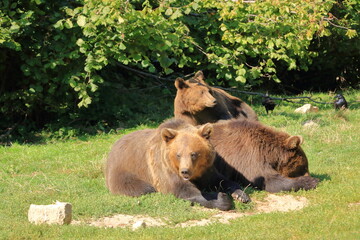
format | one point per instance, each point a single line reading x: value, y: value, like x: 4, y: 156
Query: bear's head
x: 294, y: 162
x: 194, y: 94
x: 188, y: 151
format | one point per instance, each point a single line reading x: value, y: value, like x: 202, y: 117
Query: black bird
x: 268, y: 103
x: 340, y: 102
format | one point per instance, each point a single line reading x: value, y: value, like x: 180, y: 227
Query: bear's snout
x: 211, y: 103
x: 185, y: 173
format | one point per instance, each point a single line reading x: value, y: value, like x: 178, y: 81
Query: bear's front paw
x: 309, y: 182
x: 223, y: 202
x: 241, y: 196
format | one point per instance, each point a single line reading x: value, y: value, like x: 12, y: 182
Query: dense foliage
x: 56, y: 56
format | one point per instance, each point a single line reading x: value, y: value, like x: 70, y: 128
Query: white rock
x: 58, y: 213
x: 307, y: 108
x: 310, y: 123
x: 139, y: 224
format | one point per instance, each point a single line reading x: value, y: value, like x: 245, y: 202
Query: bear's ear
x: 206, y: 130
x: 293, y: 142
x: 167, y: 134
x: 180, y: 83
x: 199, y: 76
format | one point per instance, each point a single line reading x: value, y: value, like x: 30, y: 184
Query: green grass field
x: 72, y: 171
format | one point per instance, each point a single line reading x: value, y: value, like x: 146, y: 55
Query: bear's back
x: 129, y: 153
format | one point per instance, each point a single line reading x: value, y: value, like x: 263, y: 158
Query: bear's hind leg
x: 126, y: 183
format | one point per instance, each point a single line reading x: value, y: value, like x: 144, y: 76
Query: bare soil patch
x: 355, y: 204
x: 272, y: 203
x: 283, y: 203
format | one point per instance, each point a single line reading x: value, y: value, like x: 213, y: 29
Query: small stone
x: 139, y: 224
x: 310, y: 123
x: 58, y: 213
x: 307, y: 108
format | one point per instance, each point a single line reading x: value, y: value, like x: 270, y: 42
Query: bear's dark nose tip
x: 184, y: 171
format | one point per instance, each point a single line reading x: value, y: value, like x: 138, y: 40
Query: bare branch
x: 335, y: 25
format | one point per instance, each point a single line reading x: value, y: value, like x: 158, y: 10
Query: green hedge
x: 53, y: 54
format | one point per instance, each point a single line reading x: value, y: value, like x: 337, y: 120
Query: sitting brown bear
x: 252, y: 153
x: 176, y: 158
x: 198, y: 103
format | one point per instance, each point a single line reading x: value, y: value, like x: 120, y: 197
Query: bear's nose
x: 185, y: 173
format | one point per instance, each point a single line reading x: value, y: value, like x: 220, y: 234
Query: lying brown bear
x: 198, y: 103
x: 176, y: 158
x: 252, y: 153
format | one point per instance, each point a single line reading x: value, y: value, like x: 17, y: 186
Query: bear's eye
x: 194, y: 155
x: 178, y: 156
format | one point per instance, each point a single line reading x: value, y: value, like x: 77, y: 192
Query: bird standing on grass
x: 268, y: 103
x: 340, y: 102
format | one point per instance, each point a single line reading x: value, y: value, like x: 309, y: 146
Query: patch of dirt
x: 355, y: 204
x: 271, y: 203
x: 219, y: 216
x: 283, y: 203
x: 122, y: 220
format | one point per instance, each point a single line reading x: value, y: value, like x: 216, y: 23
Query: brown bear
x: 175, y: 158
x: 198, y: 103
x: 249, y: 152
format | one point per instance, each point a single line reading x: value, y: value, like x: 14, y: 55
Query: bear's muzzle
x: 185, y: 173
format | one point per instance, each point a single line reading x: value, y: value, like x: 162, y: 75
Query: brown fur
x: 176, y: 158
x: 252, y: 153
x: 198, y: 103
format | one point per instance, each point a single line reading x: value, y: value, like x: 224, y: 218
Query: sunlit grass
x: 72, y: 171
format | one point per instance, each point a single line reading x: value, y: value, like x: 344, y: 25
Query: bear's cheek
x: 195, y: 103
x: 190, y: 98
x: 201, y: 165
x: 173, y: 161
x: 189, y: 103
x: 293, y: 165
x: 198, y: 170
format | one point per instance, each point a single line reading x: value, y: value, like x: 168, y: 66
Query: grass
x: 72, y: 171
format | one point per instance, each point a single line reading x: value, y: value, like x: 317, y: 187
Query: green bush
x: 54, y: 55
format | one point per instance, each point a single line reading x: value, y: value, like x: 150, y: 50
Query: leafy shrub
x: 54, y: 55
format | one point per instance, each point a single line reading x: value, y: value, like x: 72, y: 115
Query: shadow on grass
x: 321, y: 177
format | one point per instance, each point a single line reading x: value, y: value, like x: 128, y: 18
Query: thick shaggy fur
x: 252, y: 153
x: 198, y: 103
x: 176, y: 158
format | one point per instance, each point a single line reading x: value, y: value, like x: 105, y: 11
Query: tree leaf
x: 240, y: 79
x: 176, y: 14
x: 59, y: 25
x: 169, y: 12
x: 350, y: 33
x: 120, y: 20
x: 68, y: 24
x: 81, y: 20
x: 122, y: 46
